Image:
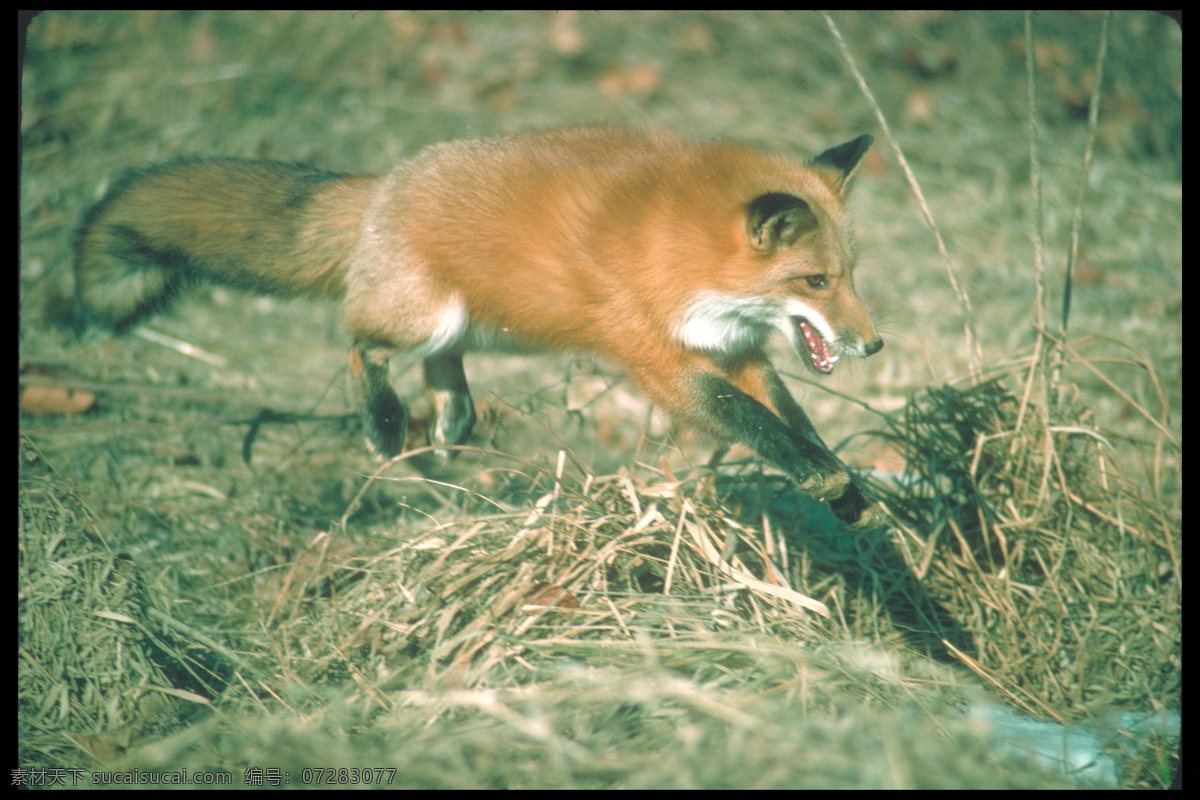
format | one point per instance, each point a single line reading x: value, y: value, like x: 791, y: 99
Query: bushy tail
x: 119, y: 278
x: 266, y: 226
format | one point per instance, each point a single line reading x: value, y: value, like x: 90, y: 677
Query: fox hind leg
x: 447, y: 384
x: 384, y: 415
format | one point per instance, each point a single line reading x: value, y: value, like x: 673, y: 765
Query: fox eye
x: 816, y: 281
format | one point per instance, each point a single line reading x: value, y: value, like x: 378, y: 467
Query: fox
x: 675, y: 259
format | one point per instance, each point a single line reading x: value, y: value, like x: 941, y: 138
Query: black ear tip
x: 845, y: 158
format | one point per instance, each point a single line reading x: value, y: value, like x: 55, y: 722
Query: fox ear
x: 845, y: 160
x: 776, y: 220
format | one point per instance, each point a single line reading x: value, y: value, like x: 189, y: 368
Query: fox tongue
x: 818, y: 350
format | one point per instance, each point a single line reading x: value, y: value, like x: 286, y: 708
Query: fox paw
x: 854, y: 509
x: 386, y: 424
x: 824, y: 487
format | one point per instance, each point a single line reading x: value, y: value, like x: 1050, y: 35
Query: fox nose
x: 874, y: 347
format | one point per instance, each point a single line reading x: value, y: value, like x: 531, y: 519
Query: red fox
x: 673, y: 258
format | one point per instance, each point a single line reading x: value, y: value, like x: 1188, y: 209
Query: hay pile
x: 581, y: 568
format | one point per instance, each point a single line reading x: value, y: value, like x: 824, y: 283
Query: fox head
x: 801, y: 266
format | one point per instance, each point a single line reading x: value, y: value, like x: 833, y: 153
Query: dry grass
x: 211, y: 577
x: 1058, y: 564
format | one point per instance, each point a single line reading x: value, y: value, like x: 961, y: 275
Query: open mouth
x: 819, y: 355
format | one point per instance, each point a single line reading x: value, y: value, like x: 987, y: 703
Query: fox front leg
x: 852, y: 507
x: 721, y: 407
x: 786, y: 439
